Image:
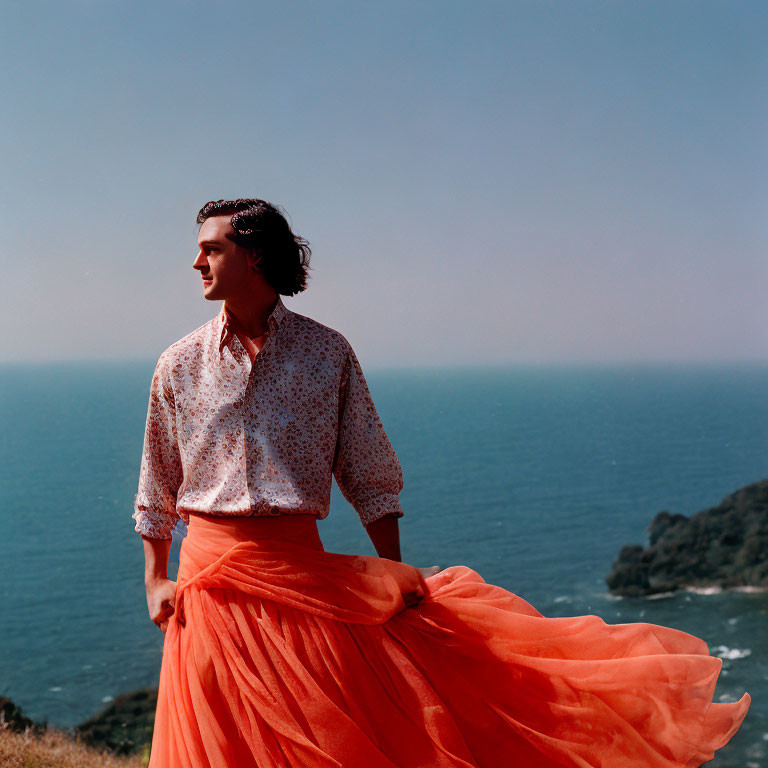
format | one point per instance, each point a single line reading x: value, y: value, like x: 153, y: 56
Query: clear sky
x: 480, y: 182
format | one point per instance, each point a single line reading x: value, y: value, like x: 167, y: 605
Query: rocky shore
x: 724, y: 546
x: 123, y: 727
x: 12, y: 718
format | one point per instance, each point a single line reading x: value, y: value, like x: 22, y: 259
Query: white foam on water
x: 715, y: 590
x: 724, y: 652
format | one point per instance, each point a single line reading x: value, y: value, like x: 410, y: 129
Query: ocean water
x: 533, y: 476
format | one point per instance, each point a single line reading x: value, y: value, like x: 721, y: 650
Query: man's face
x: 224, y: 265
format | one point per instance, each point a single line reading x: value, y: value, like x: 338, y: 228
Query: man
x: 251, y: 413
x: 278, y: 653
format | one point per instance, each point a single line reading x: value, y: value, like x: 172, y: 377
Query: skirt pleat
x: 282, y: 655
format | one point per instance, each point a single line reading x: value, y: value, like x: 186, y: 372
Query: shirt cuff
x: 154, y: 524
x: 379, y: 506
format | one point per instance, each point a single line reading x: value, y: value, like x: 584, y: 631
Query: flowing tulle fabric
x: 282, y: 654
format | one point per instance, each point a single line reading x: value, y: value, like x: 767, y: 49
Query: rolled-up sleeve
x: 161, y: 471
x: 366, y: 466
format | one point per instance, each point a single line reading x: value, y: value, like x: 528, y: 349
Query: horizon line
x: 528, y: 363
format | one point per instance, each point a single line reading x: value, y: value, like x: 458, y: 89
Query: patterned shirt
x: 234, y: 430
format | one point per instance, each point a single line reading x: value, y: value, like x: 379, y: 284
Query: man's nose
x: 200, y: 261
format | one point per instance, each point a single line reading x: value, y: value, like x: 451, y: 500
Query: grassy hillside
x: 56, y: 749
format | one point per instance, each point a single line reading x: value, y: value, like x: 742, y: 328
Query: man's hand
x: 161, y: 601
x: 412, y: 598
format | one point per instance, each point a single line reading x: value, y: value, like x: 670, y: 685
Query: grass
x: 57, y: 749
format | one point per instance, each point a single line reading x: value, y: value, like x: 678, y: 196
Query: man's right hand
x: 161, y: 601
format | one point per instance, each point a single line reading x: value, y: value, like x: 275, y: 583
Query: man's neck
x: 252, y: 314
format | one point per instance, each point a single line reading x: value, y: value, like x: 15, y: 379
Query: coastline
x: 724, y: 547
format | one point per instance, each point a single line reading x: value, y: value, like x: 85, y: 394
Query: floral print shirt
x: 237, y: 430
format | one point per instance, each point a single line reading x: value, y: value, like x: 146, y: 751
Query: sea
x: 534, y: 476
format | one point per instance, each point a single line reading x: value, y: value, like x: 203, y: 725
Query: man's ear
x: 254, y: 259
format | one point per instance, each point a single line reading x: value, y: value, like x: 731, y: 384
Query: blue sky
x: 480, y: 182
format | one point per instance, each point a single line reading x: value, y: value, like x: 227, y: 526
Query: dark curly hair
x: 261, y: 227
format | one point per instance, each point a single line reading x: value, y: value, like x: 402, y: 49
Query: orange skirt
x: 282, y: 654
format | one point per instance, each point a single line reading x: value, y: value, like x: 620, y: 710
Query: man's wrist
x: 156, y: 553
x: 385, y: 536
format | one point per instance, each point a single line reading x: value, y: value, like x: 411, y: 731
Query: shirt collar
x: 227, y: 323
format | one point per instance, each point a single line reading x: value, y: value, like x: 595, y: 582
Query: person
x: 278, y: 653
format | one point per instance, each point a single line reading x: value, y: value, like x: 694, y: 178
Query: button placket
x: 237, y: 378
x: 272, y: 510
x: 249, y: 417
x: 267, y: 344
